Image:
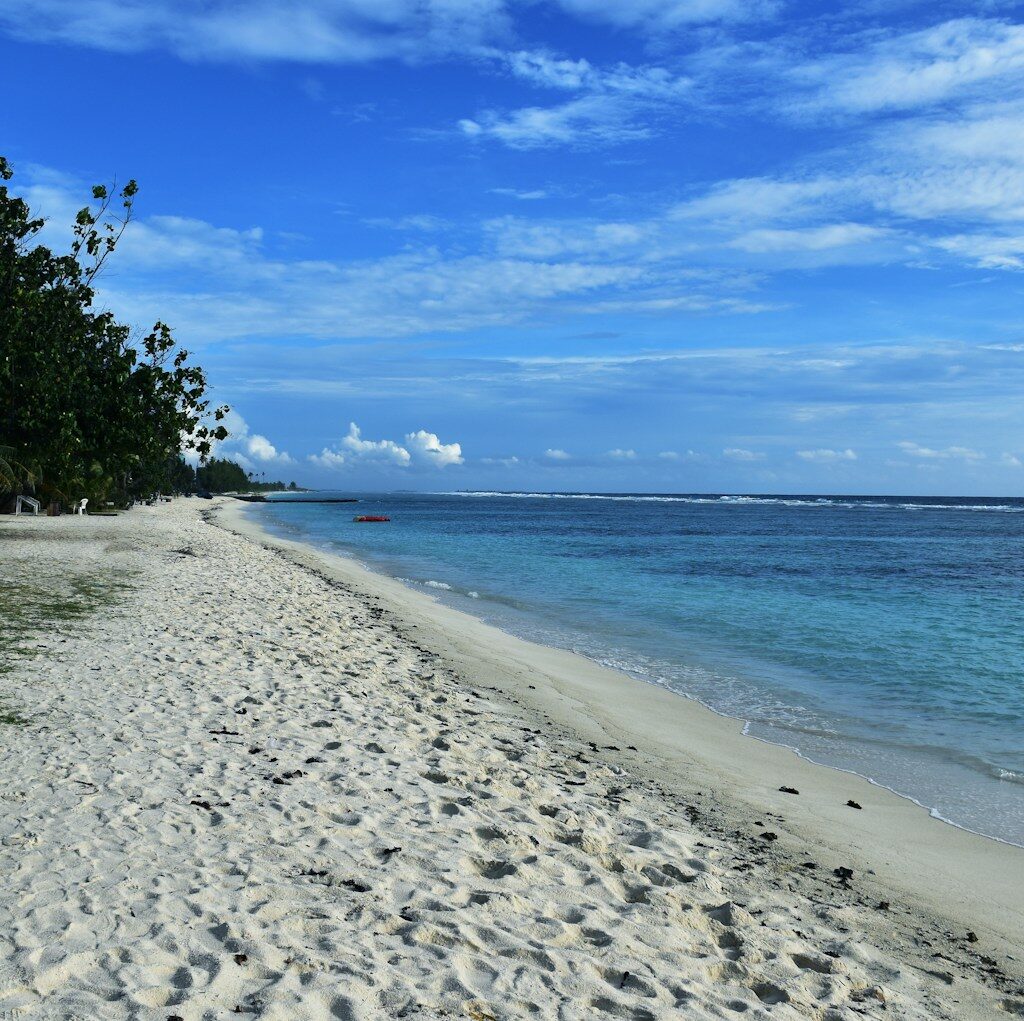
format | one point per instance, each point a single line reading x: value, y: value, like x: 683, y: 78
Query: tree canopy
x: 87, y: 409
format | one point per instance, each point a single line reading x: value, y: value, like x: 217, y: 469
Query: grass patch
x: 29, y: 610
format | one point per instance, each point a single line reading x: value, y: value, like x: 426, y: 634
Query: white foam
x: 746, y: 501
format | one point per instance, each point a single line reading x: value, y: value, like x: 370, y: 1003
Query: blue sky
x: 667, y: 245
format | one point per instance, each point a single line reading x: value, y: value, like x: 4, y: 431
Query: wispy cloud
x: 930, y: 453
x: 320, y: 31
x: 655, y: 17
x: 523, y: 196
x: 809, y: 239
x: 611, y: 104
x: 588, y: 120
x: 331, y: 31
x: 826, y: 455
x: 955, y: 59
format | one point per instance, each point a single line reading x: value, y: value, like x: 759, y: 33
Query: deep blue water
x: 879, y: 634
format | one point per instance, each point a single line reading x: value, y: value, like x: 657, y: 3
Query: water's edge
x: 443, y: 594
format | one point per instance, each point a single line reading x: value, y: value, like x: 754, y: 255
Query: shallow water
x: 883, y: 635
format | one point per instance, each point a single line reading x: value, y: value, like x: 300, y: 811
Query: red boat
x: 370, y: 517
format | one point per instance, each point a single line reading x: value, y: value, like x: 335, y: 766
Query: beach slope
x: 259, y: 781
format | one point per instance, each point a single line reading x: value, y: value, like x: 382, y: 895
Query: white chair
x: 26, y: 501
x: 81, y: 505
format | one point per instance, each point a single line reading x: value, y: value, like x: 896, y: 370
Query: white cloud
x: 327, y: 458
x: 225, y: 284
x: 739, y: 454
x: 918, y: 68
x: 929, y: 453
x: 429, y: 448
x: 247, y: 448
x: 328, y: 31
x: 318, y: 31
x: 554, y: 454
x: 658, y: 16
x: 589, y: 120
x: 826, y: 455
x: 622, y: 455
x: 761, y: 198
x: 399, y: 295
x: 374, y: 450
x: 543, y: 68
x: 504, y: 462
x: 522, y: 196
x: 547, y: 70
x: 989, y: 250
x: 1011, y: 460
x: 674, y: 455
x: 421, y: 447
x: 812, y: 239
x: 261, y: 449
x: 609, y: 106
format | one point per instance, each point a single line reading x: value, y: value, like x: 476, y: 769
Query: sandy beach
x: 259, y: 780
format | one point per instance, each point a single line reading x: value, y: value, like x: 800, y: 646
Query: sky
x: 645, y: 245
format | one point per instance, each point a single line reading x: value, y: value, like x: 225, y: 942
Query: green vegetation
x: 219, y: 475
x: 28, y: 610
x: 86, y: 409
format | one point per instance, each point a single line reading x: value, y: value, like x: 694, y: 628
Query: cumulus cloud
x: 826, y: 455
x: 247, y: 448
x: 554, y: 454
x: 429, y: 448
x: 373, y: 450
x: 327, y: 458
x: 261, y: 449
x: 739, y: 454
x: 421, y: 448
x: 622, y: 455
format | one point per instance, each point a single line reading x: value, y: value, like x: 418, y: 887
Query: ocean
x: 881, y: 635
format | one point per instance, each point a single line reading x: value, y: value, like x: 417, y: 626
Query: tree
x: 87, y: 409
x: 220, y: 475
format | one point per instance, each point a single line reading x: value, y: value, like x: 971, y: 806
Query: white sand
x: 443, y: 842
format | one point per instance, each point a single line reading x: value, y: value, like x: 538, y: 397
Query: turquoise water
x: 883, y: 635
